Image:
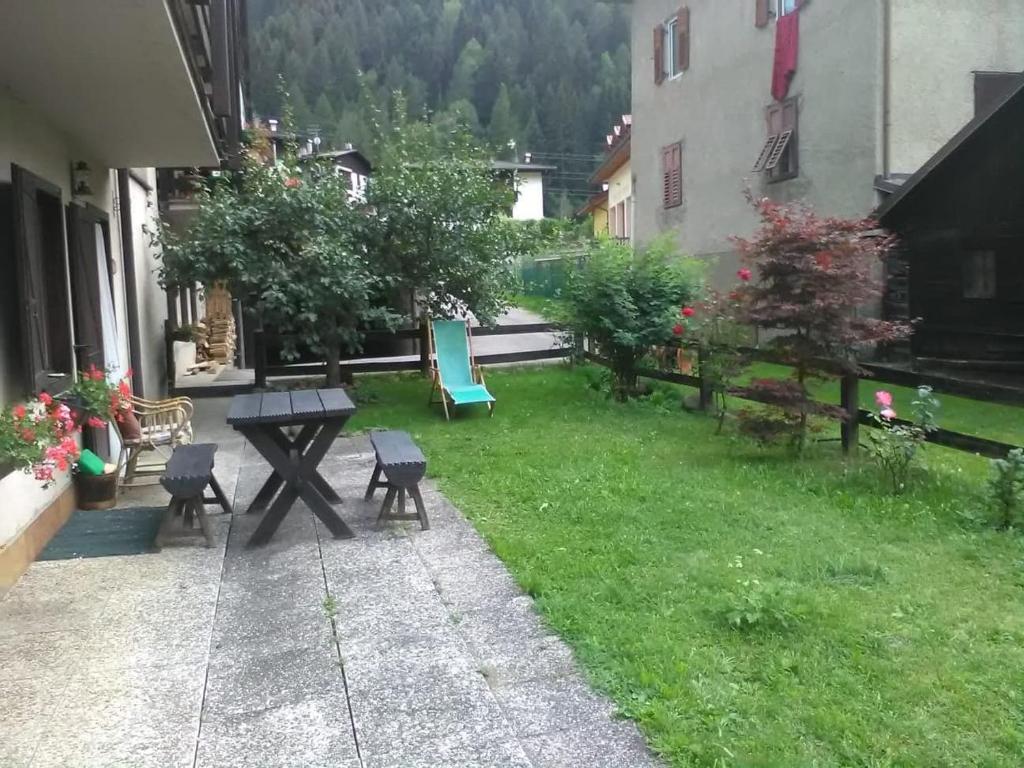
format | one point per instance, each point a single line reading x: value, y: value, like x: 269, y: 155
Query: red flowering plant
x: 722, y: 341
x: 38, y: 437
x: 627, y: 303
x: 97, y: 399
x: 808, y: 282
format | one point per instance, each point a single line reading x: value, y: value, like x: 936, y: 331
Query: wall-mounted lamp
x: 272, y: 122
x: 80, y: 176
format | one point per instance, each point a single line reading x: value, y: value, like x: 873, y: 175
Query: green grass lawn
x: 887, y: 631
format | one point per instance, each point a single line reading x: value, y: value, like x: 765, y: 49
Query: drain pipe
x: 886, y: 86
x: 131, y: 291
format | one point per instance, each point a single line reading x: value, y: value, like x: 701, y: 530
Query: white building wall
x: 529, y: 204
x: 152, y: 299
x: 30, y: 141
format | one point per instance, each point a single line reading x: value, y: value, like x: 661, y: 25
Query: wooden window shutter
x: 761, y: 13
x: 659, y: 54
x: 672, y: 176
x: 683, y: 40
x: 28, y: 257
x: 677, y: 174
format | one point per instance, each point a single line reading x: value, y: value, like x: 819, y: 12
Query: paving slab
x: 400, y: 648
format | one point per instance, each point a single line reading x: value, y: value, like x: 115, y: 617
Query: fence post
x: 704, y: 385
x: 424, y: 344
x: 849, y: 400
x: 260, y: 358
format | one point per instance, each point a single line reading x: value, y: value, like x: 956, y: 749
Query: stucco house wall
x: 716, y: 109
x: 881, y: 86
x: 936, y: 48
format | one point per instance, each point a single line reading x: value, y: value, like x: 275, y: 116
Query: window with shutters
x: 672, y: 46
x: 778, y: 156
x: 784, y: 7
x: 672, y: 175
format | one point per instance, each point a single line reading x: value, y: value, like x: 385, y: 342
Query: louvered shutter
x: 683, y: 40
x: 85, y: 281
x: 659, y: 54
x: 677, y: 174
x: 666, y: 177
x: 761, y: 13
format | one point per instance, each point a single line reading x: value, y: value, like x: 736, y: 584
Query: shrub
x: 813, y: 276
x: 628, y: 304
x: 895, y: 445
x: 760, y: 604
x: 1006, y: 487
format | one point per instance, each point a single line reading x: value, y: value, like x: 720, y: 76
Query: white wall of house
x: 152, y: 299
x: 529, y: 203
x: 936, y: 48
x: 29, y: 140
x: 620, y: 193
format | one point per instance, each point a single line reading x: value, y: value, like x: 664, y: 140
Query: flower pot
x: 96, y: 491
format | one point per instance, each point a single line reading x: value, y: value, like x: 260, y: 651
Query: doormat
x: 105, y: 533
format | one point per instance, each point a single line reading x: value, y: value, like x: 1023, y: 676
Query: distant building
x: 528, y: 181
x: 612, y: 206
x: 800, y: 100
x: 352, y: 163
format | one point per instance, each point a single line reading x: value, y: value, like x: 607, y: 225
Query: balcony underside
x: 111, y: 75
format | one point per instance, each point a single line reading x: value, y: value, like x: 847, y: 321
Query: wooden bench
x: 403, y: 466
x: 188, y: 473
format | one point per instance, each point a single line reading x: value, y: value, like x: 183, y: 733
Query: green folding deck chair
x: 454, y: 372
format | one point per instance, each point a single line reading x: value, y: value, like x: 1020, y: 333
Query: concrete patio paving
x: 400, y: 648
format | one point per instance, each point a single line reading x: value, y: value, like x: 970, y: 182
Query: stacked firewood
x: 221, y: 337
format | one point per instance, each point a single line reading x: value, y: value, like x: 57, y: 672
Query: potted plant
x: 94, y: 402
x: 38, y: 437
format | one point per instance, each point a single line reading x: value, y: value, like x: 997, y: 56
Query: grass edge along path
x: 874, y: 630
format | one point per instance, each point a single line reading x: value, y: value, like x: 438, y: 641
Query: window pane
x: 669, y: 48
x: 980, y: 275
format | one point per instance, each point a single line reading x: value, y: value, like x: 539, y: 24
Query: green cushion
x: 90, y: 464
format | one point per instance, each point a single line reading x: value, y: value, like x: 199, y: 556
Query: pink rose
x: 887, y: 413
x: 883, y: 399
x: 744, y: 274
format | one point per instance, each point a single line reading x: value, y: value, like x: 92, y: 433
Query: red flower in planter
x: 678, y: 329
x: 45, y: 398
x: 96, y: 422
x: 687, y: 312
x: 744, y: 274
x: 18, y: 412
x: 28, y: 435
x: 292, y: 182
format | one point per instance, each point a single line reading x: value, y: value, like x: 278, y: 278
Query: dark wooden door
x: 85, y: 284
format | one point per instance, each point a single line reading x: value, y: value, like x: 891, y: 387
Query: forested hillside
x: 552, y: 75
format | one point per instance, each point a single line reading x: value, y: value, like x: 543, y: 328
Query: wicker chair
x: 163, y: 424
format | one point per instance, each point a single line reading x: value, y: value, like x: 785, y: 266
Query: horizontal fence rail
x: 416, y: 361
x: 849, y: 383
x: 849, y: 398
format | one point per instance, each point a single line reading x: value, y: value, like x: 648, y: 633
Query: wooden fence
x: 849, y: 388
x: 418, y: 361
x: 849, y: 398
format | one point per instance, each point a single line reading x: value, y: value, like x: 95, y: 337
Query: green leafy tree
x: 442, y: 222
x: 627, y: 304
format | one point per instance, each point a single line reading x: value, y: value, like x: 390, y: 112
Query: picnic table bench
x: 403, y: 465
x: 187, y: 476
x: 320, y: 415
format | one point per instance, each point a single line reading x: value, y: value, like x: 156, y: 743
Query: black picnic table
x: 320, y: 415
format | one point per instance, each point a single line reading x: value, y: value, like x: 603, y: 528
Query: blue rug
x: 104, y: 533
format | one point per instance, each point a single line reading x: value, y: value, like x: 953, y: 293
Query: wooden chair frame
x: 437, y: 381
x: 164, y: 425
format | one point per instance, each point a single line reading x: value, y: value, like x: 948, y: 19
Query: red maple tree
x: 810, y: 285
